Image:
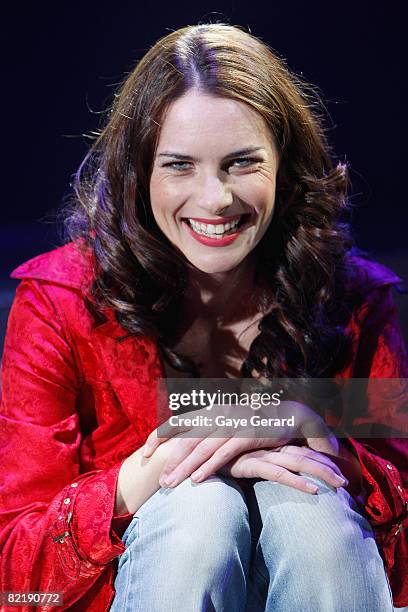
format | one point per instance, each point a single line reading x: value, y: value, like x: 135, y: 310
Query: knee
x: 197, y: 520
x: 312, y: 531
x: 214, y: 524
x: 213, y: 509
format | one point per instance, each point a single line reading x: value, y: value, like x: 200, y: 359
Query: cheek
x: 164, y: 197
x: 261, y: 194
x: 159, y: 199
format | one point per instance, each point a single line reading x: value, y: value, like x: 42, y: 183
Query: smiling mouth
x: 218, y: 230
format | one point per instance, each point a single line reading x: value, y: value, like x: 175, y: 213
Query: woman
x: 209, y: 135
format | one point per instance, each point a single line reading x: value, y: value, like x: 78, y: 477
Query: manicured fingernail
x: 197, y: 475
x: 312, y: 488
x: 342, y: 481
x: 168, y: 481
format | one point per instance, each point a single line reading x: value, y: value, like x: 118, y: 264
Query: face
x: 212, y: 187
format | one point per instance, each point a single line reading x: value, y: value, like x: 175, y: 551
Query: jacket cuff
x: 383, y: 493
x: 95, y: 530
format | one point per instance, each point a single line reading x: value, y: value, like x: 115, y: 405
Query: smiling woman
x: 207, y: 237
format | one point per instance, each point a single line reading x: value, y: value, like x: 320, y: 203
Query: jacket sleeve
x: 57, y: 527
x: 382, y: 354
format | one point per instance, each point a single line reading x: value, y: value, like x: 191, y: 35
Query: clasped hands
x: 247, y: 455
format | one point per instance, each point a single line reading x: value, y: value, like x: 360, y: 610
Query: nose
x: 214, y: 196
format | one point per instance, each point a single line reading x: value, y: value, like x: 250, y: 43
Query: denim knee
x: 320, y: 530
x: 187, y: 548
x: 318, y: 550
x: 209, y: 518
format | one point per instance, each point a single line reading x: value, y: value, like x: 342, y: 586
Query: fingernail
x: 312, y: 488
x: 168, y: 481
x: 197, y: 475
x: 342, y: 481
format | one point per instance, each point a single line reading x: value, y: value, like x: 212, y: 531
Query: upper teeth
x: 206, y: 228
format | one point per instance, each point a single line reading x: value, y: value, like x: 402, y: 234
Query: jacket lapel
x: 133, y: 368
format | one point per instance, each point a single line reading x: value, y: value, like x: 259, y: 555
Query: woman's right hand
x: 282, y: 464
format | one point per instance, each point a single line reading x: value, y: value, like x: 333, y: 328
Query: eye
x: 177, y: 165
x: 244, y: 162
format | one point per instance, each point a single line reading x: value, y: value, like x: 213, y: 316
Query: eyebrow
x: 238, y: 153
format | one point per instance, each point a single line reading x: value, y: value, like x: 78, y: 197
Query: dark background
x: 61, y: 63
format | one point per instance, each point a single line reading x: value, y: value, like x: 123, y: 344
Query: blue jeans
x: 250, y: 545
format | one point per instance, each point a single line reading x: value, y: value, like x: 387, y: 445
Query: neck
x: 223, y: 297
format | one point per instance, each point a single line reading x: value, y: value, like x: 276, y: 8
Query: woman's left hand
x: 283, y: 465
x: 201, y: 457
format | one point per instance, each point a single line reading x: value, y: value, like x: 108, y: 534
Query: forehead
x: 202, y: 119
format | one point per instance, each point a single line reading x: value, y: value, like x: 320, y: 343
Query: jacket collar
x: 70, y: 265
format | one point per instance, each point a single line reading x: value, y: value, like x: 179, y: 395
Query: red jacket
x: 75, y: 404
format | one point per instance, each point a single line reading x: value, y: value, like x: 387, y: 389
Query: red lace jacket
x: 75, y: 404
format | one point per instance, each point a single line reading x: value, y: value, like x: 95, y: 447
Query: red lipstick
x: 217, y: 242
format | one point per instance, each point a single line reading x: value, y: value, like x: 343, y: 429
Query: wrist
x: 138, y: 479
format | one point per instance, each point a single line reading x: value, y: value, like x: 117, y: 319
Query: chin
x: 213, y: 266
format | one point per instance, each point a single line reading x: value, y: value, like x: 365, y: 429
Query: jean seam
x: 127, y: 580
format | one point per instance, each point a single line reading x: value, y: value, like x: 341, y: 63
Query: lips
x: 216, y: 227
x: 217, y: 234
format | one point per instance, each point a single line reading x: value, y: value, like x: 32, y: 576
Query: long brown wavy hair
x: 303, y: 257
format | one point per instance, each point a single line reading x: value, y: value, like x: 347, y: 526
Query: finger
x: 151, y: 443
x: 230, y: 449
x: 187, y: 459
x: 301, y: 463
x: 270, y: 455
x: 281, y: 475
x: 209, y: 456
x: 168, y: 431
x: 182, y: 448
x: 312, y: 454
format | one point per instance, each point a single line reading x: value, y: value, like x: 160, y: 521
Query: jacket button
x: 61, y: 537
x: 389, y: 466
x: 74, y: 484
x: 66, y: 500
x: 400, y: 528
x: 399, y: 488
